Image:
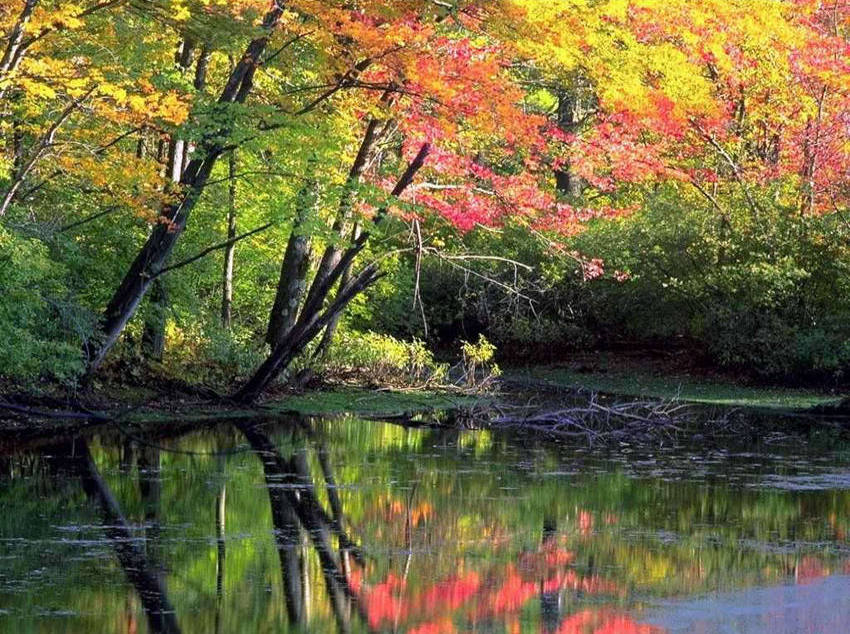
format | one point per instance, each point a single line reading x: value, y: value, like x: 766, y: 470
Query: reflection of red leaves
x: 448, y: 595
x: 438, y: 627
x: 810, y: 569
x: 585, y: 519
x: 503, y: 592
x: 604, y: 622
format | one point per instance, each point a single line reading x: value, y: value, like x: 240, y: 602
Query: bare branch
x: 208, y: 250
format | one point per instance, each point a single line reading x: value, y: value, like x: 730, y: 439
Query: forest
x: 246, y: 194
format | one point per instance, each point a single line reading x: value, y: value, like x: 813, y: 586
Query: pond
x: 360, y: 526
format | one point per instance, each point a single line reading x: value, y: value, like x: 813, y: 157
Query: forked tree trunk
x: 312, y: 318
x: 293, y: 275
x: 174, y: 217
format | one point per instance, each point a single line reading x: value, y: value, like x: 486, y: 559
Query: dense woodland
x: 230, y: 192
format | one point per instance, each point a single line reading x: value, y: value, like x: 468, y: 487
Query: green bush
x: 383, y: 359
x: 43, y: 328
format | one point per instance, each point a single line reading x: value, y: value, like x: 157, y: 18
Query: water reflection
x: 361, y: 527
x: 75, y: 459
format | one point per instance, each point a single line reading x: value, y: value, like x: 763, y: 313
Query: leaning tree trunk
x: 292, y: 283
x: 179, y: 150
x: 313, y: 318
x: 293, y: 274
x: 174, y: 217
x: 333, y: 324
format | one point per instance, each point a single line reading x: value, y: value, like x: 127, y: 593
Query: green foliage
x: 43, y: 329
x: 479, y: 358
x: 383, y: 359
x: 765, y: 292
x: 209, y: 354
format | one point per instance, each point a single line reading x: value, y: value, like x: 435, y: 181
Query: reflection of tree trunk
x: 150, y: 489
x: 550, y: 602
x: 128, y: 457
x: 292, y: 496
x: 336, y: 505
x: 137, y: 568
x: 221, y: 547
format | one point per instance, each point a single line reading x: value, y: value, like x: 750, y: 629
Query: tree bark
x: 573, y: 106
x: 330, y: 258
x: 174, y: 217
x: 153, y: 336
x: 16, y: 38
x: 333, y: 324
x: 293, y: 271
x: 230, y: 249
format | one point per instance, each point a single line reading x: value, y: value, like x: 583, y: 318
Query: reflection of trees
x: 220, y: 540
x: 295, y: 506
x: 134, y: 561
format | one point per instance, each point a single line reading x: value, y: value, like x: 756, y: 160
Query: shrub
x: 43, y: 328
x: 383, y: 359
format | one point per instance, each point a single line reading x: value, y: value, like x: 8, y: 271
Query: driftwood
x: 600, y: 421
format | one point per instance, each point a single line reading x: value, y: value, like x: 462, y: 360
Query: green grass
x: 366, y: 402
x: 685, y: 388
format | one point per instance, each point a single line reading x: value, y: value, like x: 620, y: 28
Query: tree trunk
x: 11, y: 54
x: 230, y: 249
x: 312, y: 320
x: 152, y: 256
x: 153, y: 336
x: 293, y: 271
x: 573, y: 106
x: 333, y: 324
x: 332, y: 254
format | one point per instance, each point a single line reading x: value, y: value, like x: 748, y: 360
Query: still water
x: 351, y: 525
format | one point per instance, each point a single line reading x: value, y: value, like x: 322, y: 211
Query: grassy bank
x: 629, y: 380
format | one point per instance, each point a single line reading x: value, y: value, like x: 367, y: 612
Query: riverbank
x: 668, y: 378
x: 620, y: 379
